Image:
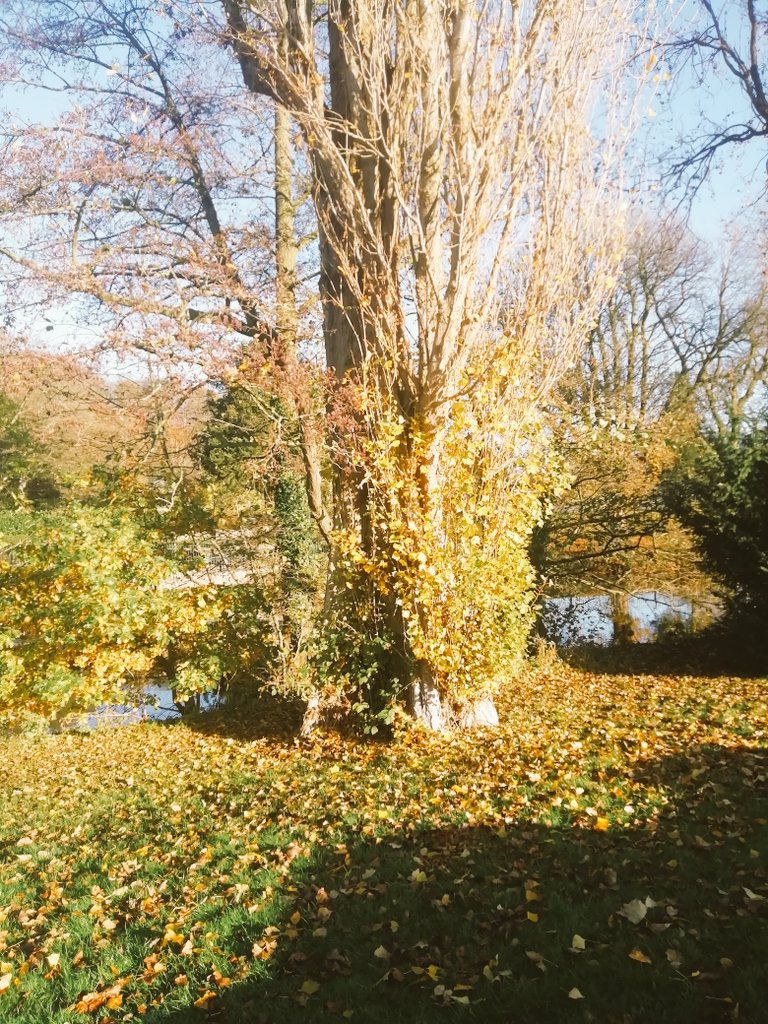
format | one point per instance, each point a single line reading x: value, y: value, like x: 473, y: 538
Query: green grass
x: 223, y: 863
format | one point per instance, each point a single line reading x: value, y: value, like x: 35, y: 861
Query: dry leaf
x: 634, y: 911
x: 639, y: 955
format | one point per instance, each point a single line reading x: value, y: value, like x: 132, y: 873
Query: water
x: 158, y: 706
x: 570, y: 621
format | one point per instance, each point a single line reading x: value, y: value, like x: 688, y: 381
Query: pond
x: 158, y: 706
x: 592, y: 619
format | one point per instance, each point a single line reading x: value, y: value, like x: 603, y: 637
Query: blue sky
x: 728, y: 199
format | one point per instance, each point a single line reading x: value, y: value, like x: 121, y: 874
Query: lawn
x: 601, y: 857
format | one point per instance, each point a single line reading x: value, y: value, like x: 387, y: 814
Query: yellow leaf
x: 575, y: 994
x: 5, y: 982
x: 310, y: 987
x: 578, y: 943
x: 602, y: 824
x: 381, y: 952
x: 639, y: 955
x: 204, y: 999
x: 533, y: 917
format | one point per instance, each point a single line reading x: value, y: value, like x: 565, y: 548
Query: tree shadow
x: 259, y: 715
x: 665, y: 921
x: 697, y: 656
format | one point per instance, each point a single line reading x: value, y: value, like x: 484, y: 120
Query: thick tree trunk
x: 424, y: 702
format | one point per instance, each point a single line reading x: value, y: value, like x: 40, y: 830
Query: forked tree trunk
x: 452, y: 155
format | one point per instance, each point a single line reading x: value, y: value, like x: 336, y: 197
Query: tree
x: 679, y: 345
x: 252, y: 488
x: 148, y: 202
x: 452, y: 160
x: 86, y: 618
x: 718, y: 492
x: 731, y: 38
x: 462, y: 164
x: 23, y: 476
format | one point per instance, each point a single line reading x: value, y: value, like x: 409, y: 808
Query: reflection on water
x: 583, y: 620
x: 158, y: 705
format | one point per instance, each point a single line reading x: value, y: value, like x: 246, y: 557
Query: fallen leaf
x: 639, y: 955
x: 95, y: 1000
x: 634, y: 911
x: 575, y: 994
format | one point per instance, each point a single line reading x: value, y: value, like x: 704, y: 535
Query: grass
x: 601, y: 857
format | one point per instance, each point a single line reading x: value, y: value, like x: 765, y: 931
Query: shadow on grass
x: 692, y: 656
x: 257, y: 716
x: 469, y: 924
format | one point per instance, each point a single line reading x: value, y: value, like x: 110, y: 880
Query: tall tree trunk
x: 286, y: 254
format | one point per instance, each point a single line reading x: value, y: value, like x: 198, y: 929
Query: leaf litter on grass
x: 163, y: 872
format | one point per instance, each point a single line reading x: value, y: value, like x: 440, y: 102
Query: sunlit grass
x: 221, y: 863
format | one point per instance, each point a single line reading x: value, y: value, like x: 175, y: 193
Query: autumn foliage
x: 87, y: 618
x: 603, y: 851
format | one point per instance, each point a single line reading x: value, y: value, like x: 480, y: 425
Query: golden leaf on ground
x: 639, y: 955
x: 95, y: 1000
x: 204, y: 999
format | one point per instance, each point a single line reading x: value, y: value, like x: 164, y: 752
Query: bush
x: 85, y: 619
x: 718, y: 492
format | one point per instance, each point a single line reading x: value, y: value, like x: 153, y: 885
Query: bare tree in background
x: 729, y: 39
x: 160, y: 200
x: 680, y: 346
